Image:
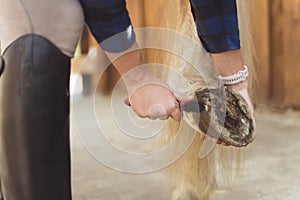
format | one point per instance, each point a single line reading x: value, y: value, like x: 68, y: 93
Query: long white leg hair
x: 191, y: 177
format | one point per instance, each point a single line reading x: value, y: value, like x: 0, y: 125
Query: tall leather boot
x: 1, y: 197
x: 34, y: 124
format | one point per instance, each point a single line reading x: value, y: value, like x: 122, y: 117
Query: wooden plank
x: 285, y: 44
x: 277, y: 56
x: 260, y: 27
x: 291, y: 52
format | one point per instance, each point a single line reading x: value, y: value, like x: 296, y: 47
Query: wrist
x: 233, y: 79
x: 228, y: 62
x: 139, y: 77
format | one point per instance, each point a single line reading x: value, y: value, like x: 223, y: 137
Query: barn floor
x: 272, y: 167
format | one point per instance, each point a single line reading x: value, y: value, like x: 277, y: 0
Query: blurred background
x: 272, y: 165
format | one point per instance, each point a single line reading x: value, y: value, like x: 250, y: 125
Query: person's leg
x: 1, y: 197
x: 34, y: 126
x: 34, y: 97
x: 60, y: 21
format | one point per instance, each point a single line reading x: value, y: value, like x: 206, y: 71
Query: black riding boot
x: 34, y: 121
x: 1, y: 197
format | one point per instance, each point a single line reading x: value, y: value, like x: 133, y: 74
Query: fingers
x: 176, y: 114
x: 164, y: 112
x: 155, y: 102
x: 242, y: 89
x: 245, y: 95
x: 158, y: 111
x: 214, y: 140
x: 182, y: 99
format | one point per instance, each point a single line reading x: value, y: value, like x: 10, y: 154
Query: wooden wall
x: 276, y: 35
x: 285, y: 52
x: 259, y: 11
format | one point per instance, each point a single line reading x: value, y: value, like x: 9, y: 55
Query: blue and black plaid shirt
x: 217, y: 24
x: 216, y: 21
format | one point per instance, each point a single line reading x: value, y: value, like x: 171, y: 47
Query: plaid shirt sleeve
x: 217, y: 24
x: 109, y: 22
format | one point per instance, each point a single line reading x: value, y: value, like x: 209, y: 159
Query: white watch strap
x: 235, y: 78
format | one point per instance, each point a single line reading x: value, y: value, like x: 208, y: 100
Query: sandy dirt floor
x: 272, y: 168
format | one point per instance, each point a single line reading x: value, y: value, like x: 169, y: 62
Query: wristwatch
x: 235, y: 78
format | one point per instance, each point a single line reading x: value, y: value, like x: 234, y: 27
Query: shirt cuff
x: 109, y: 22
x: 221, y: 42
x: 119, y: 42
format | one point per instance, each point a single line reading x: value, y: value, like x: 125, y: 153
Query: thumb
x: 244, y: 93
x: 182, y: 99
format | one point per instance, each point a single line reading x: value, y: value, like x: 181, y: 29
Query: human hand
x: 242, y: 89
x: 155, y: 101
x: 229, y: 63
